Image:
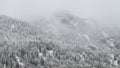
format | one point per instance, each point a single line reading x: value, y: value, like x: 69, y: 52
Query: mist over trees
x: 64, y: 41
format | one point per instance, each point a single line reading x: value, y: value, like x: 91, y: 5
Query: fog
x: 103, y: 11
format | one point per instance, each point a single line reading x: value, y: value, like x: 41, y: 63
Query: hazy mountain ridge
x: 84, y: 31
x: 56, y: 46
x: 14, y: 26
x: 72, y: 29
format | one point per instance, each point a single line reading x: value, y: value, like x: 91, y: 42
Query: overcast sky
x: 102, y: 10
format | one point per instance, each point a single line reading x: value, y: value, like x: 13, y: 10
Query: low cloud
x: 106, y: 11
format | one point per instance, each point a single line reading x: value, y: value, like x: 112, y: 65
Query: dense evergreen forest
x: 78, y: 45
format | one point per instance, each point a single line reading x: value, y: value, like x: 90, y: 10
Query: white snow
x: 82, y: 57
x: 40, y: 54
x: 18, y: 60
x: 116, y: 62
x: 86, y: 36
x: 6, y: 38
x: 111, y: 58
x: 50, y: 52
x: 75, y: 24
x: 44, y: 58
x: 13, y: 26
x: 105, y: 34
x: 4, y: 66
x: 111, y: 42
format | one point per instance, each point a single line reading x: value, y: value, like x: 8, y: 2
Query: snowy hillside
x: 64, y: 41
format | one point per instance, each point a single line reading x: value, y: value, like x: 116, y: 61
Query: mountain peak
x: 65, y: 17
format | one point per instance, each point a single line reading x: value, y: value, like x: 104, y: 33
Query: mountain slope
x: 79, y: 31
x: 61, y: 44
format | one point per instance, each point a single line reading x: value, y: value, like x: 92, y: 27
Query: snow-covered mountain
x: 63, y: 40
x: 77, y: 31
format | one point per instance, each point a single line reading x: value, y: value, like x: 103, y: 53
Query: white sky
x: 103, y: 10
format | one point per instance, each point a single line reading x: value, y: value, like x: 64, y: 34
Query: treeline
x: 23, y: 46
x: 34, y: 54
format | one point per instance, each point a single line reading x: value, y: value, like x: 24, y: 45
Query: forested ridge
x: 25, y: 46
